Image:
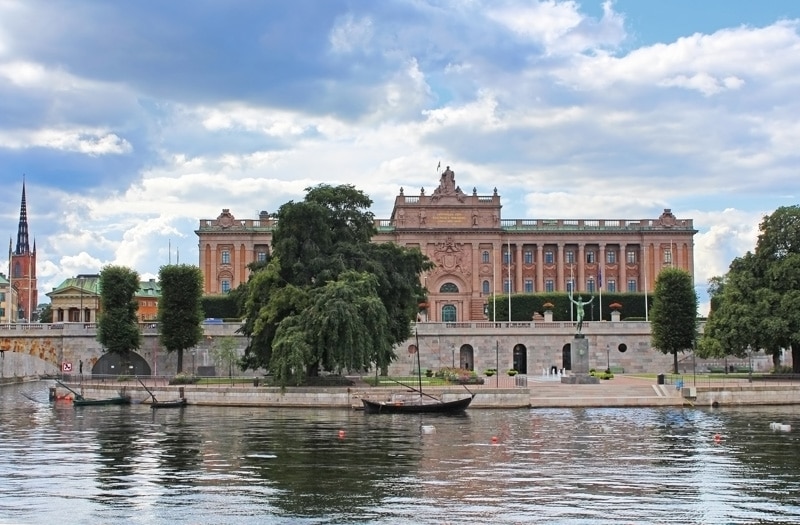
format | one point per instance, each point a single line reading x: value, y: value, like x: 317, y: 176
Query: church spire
x: 22, y: 231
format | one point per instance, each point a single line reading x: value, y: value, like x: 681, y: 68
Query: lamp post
x: 453, y: 352
x: 608, y: 358
x: 193, y: 368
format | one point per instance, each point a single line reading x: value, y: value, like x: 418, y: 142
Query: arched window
x: 449, y: 314
x: 485, y: 257
x: 486, y: 287
x: 448, y: 288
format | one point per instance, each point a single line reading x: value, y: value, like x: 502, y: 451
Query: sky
x: 131, y: 121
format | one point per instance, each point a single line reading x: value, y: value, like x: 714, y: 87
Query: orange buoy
x: 341, y: 434
x: 494, y: 440
x: 717, y: 437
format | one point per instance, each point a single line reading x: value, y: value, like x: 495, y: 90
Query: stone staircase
x: 605, y: 394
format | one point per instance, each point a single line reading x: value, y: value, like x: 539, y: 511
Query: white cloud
x: 90, y: 141
x: 350, y: 33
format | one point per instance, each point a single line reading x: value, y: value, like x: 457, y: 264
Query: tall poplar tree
x: 117, y: 322
x: 179, y: 310
x: 673, y: 319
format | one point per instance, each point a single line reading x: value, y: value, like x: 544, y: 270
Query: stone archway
x: 566, y: 357
x: 520, y: 359
x: 110, y: 364
x: 466, y: 357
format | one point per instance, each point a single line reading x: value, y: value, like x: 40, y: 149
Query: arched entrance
x: 566, y: 357
x: 466, y: 358
x: 110, y: 364
x: 520, y: 359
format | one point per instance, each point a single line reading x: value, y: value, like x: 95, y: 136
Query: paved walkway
x: 621, y: 391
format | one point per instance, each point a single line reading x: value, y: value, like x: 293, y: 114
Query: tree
x: 224, y: 353
x: 180, y: 313
x: 117, y: 324
x: 46, y: 315
x: 674, y: 315
x: 329, y: 299
x: 760, y: 303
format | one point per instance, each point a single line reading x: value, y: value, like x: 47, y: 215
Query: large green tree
x: 759, y: 307
x: 673, y: 319
x: 180, y: 312
x: 329, y: 299
x: 117, y: 322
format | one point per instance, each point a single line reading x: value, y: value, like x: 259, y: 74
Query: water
x: 131, y: 464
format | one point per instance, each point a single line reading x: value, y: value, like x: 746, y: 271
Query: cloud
x: 88, y: 141
x: 350, y: 33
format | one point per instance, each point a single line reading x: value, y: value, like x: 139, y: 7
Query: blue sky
x: 131, y: 121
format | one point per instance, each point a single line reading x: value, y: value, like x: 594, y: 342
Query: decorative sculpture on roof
x: 447, y: 187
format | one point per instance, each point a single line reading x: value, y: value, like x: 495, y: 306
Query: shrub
x: 428, y: 373
x: 489, y: 372
x: 184, y: 379
x: 511, y: 372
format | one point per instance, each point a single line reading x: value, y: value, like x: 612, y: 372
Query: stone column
x: 540, y: 267
x: 560, y: 267
x: 581, y: 277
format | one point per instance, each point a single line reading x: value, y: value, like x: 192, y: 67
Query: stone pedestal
x: 615, y: 316
x: 579, y: 355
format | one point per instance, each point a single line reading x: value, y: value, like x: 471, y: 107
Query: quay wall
x: 529, y: 347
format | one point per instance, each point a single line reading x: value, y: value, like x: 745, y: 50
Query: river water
x: 132, y: 464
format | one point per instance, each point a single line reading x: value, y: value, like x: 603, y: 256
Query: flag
x: 438, y: 166
x: 599, y: 277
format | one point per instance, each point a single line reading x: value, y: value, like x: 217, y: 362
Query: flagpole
x: 494, y: 289
x: 509, y: 279
x: 645, y: 284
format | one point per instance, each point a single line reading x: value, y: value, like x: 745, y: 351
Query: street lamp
x: 453, y: 352
x: 193, y: 352
x: 608, y: 358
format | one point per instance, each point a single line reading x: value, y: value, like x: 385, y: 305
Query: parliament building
x: 477, y: 253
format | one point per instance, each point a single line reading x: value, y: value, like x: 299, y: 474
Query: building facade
x: 8, y: 301
x: 77, y: 300
x: 478, y: 254
x: 23, y: 266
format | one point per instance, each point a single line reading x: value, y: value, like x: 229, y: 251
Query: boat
x: 401, y: 407
x: 80, y: 401
x: 431, y: 405
x: 119, y: 400
x: 175, y: 403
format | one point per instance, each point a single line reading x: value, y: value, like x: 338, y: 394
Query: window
x: 632, y: 285
x: 486, y: 289
x: 549, y: 286
x: 590, y: 285
x: 448, y: 288
x: 2, y: 312
x: 226, y: 257
x: 548, y: 257
x: 226, y: 286
x: 2, y: 296
x: 507, y: 286
x: 590, y: 257
x: 485, y: 257
x: 631, y: 257
x: 528, y: 257
x: 569, y: 257
x: 506, y: 257
x: 611, y: 285
x: 261, y: 257
x: 667, y: 256
x: 528, y: 285
x: 611, y: 257
x: 570, y: 285
x: 449, y: 314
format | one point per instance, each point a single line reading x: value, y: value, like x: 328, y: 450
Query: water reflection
x: 246, y: 465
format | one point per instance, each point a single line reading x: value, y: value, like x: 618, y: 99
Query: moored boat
x: 119, y: 400
x: 175, y: 403
x: 417, y: 407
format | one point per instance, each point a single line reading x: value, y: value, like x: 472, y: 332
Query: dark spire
x: 22, y: 231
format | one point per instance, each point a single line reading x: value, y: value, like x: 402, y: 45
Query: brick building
x: 22, y: 265
x: 478, y: 253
